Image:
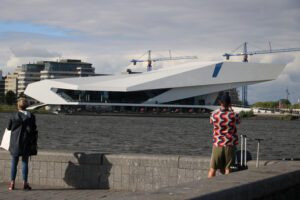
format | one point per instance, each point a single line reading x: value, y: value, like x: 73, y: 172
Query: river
x: 157, y: 135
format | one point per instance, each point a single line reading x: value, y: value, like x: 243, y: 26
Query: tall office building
x: 66, y: 68
x: 11, y: 83
x: 2, y: 84
x: 28, y: 73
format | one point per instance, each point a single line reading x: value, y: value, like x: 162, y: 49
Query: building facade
x: 30, y: 73
x: 198, y: 83
x: 66, y: 68
x: 11, y: 83
x: 2, y: 85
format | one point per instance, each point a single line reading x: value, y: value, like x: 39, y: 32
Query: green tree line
x: 10, y: 98
x: 275, y: 104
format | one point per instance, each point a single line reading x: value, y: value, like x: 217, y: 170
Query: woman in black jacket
x: 23, y: 141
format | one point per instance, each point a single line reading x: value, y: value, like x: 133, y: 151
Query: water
x: 157, y: 135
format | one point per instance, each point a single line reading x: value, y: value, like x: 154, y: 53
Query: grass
x: 8, y: 108
x: 244, y: 114
x: 289, y: 117
x: 13, y: 108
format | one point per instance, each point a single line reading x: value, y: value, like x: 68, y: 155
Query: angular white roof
x: 209, y: 76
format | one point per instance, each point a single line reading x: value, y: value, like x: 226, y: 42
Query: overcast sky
x: 109, y: 33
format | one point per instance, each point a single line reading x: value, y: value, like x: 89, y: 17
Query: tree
x: 10, y: 98
x: 2, y: 99
x: 273, y: 104
x: 296, y: 106
x: 285, y: 101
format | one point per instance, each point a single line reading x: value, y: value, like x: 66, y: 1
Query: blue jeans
x: 14, y: 167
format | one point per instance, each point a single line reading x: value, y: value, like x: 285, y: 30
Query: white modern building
x: 172, y: 85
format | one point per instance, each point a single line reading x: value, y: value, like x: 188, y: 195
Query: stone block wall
x: 129, y: 172
x: 278, y: 181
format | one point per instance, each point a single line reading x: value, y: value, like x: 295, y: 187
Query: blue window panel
x: 217, y: 69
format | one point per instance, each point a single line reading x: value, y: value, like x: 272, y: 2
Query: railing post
x: 257, y: 151
x: 241, y: 162
x: 245, y: 154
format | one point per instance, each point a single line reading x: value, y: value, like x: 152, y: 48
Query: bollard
x: 241, y: 161
x: 245, y: 154
x: 257, y: 151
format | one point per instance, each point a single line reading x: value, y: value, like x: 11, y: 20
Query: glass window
x: 111, y: 97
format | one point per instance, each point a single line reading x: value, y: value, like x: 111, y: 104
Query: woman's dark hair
x: 226, y: 100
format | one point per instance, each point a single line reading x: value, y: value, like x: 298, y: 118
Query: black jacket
x: 24, y: 135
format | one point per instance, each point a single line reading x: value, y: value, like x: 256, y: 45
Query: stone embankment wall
x: 277, y: 181
x: 174, y: 177
x: 130, y: 172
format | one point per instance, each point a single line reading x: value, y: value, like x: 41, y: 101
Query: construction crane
x: 150, y: 60
x: 245, y: 55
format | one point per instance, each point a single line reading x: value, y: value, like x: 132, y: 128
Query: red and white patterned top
x: 225, y: 132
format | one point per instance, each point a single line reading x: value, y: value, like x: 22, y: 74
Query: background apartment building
x: 2, y: 84
x: 11, y: 83
x: 66, y: 68
x: 29, y: 73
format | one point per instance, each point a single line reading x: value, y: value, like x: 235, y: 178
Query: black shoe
x: 26, y: 187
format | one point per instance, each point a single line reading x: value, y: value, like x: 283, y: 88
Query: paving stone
x: 125, y: 169
x: 43, y: 181
x: 148, y: 179
x: 7, y: 163
x: 148, y: 187
x: 181, y: 175
x: 117, y: 173
x: 189, y: 173
x: 43, y: 170
x: 140, y: 183
x: 125, y: 181
x: 57, y: 170
x: 173, y: 172
x: 36, y: 165
x: 1, y: 168
x: 56, y: 193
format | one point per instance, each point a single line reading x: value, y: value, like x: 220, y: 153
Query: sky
x: 109, y: 33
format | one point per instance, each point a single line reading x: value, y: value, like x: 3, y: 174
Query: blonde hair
x: 22, y: 103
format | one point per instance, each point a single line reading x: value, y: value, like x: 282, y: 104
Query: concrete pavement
x: 49, y: 193
x: 280, y: 180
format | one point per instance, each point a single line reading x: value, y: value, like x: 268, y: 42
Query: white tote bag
x: 6, y: 140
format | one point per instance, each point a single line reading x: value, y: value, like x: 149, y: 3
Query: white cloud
x: 13, y: 62
x: 28, y: 50
x: 109, y: 33
x: 288, y: 79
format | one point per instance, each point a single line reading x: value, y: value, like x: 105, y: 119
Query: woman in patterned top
x: 225, y: 137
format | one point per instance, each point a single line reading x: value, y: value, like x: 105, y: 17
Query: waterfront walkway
x: 279, y: 180
x: 52, y: 193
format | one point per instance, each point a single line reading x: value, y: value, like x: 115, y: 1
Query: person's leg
x: 14, y: 167
x: 215, y: 162
x: 222, y: 161
x: 229, y: 158
x: 13, y: 170
x: 212, y: 172
x: 25, y: 168
x: 25, y: 173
